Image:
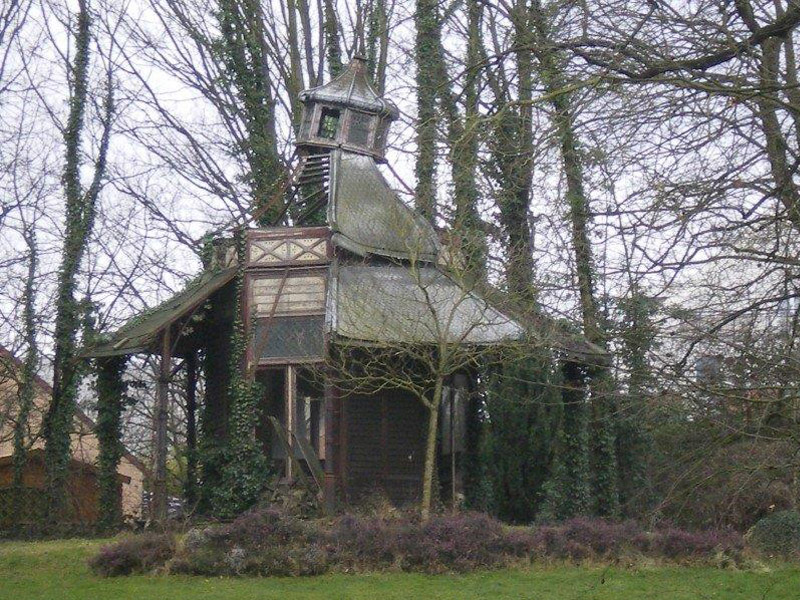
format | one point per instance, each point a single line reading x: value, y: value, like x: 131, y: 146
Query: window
x: 359, y: 128
x: 289, y: 337
x: 381, y: 134
x: 328, y: 123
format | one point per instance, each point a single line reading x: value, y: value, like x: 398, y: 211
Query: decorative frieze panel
x: 268, y: 252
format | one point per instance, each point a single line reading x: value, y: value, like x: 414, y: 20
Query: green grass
x: 57, y: 571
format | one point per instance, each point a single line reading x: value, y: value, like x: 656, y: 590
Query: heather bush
x: 777, y: 535
x: 258, y: 542
x: 460, y: 542
x: 136, y: 554
x: 268, y: 542
x: 676, y: 543
x: 582, y: 538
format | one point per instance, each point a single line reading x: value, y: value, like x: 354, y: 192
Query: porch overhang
x: 141, y: 333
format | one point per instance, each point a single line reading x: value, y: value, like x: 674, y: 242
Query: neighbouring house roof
x: 142, y: 332
x: 416, y: 304
x: 367, y: 217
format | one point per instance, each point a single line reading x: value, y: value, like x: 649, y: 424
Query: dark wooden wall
x: 383, y: 445
x: 217, y: 330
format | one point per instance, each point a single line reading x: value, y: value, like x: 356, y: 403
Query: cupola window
x: 381, y: 134
x: 328, y: 123
x: 359, y: 128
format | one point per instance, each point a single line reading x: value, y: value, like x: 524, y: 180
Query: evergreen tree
x: 523, y: 401
x: 637, y: 333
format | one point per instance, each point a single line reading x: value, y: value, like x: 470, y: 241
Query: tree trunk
x: 244, y: 53
x: 26, y: 389
x: 427, y: 23
x: 334, y: 50
x: 511, y: 152
x: 604, y: 468
x: 295, y: 84
x: 463, y: 147
x: 80, y: 212
x: 430, y: 450
x: 108, y: 429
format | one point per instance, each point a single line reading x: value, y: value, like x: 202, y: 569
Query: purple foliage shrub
x: 460, y: 542
x: 136, y: 554
x: 676, y: 543
x: 582, y: 538
x: 272, y: 542
x: 258, y: 542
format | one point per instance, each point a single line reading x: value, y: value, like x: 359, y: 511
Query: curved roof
x: 351, y: 88
x: 367, y: 216
x: 403, y: 304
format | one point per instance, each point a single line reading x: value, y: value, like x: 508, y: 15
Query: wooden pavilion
x: 373, y: 272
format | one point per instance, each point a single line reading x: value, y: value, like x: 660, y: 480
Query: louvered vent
x: 312, y: 189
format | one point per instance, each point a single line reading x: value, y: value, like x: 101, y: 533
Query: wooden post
x: 191, y: 428
x: 329, y: 490
x: 159, y: 504
x: 290, y: 393
x: 453, y: 392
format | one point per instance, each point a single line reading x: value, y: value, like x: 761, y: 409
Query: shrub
x: 777, y: 534
x: 461, y: 542
x: 259, y: 542
x: 135, y: 554
x: 273, y: 542
x: 582, y: 538
x: 676, y: 543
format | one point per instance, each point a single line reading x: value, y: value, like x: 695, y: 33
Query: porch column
x: 190, y: 491
x: 329, y: 491
x: 290, y: 395
x: 159, y: 502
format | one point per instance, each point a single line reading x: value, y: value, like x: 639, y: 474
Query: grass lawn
x: 57, y: 571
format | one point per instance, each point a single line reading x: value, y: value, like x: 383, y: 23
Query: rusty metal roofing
x: 351, y: 88
x: 411, y: 304
x: 367, y: 216
x: 140, y: 333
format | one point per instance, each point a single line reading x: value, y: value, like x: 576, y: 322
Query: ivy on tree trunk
x: 111, y: 402
x: 26, y: 390
x: 245, y: 468
x: 78, y: 226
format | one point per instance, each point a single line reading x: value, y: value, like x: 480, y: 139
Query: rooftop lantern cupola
x: 347, y: 113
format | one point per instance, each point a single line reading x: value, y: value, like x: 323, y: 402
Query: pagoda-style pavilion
x: 373, y: 272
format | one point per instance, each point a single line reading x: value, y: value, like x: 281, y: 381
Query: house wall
x: 82, y: 492
x: 84, y: 444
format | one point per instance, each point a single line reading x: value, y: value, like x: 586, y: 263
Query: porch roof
x: 142, y: 332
